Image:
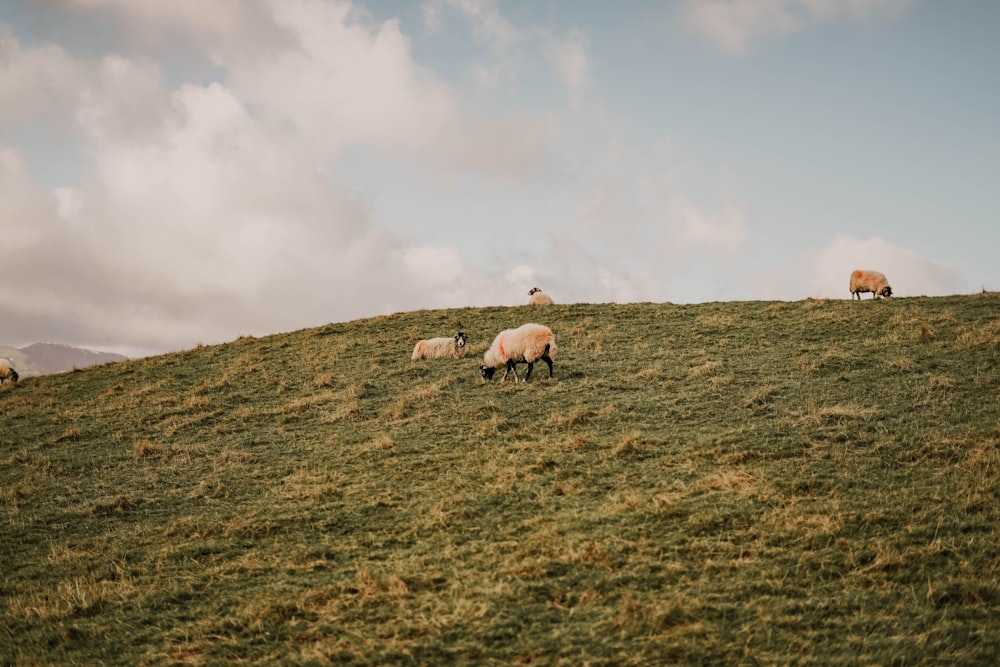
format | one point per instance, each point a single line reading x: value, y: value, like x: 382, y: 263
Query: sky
x: 188, y: 172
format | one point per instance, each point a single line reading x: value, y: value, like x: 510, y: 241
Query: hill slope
x: 809, y: 482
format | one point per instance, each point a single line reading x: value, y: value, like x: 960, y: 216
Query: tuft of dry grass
x: 761, y: 399
x: 717, y: 381
x: 984, y: 334
x: 939, y: 382
x: 709, y: 368
x: 820, y: 415
x: 382, y: 442
x: 144, y: 449
x: 71, y: 433
x: 716, y: 320
x: 737, y: 480
x: 629, y: 444
x: 903, y: 364
x: 835, y: 357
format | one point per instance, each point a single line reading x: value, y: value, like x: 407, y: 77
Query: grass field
x: 813, y: 482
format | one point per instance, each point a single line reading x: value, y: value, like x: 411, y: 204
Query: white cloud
x: 734, y: 24
x: 26, y: 210
x: 565, y: 55
x: 34, y: 81
x: 218, y: 28
x: 329, y: 73
x: 522, y: 276
x: 610, y: 285
x: 120, y: 97
x: 568, y: 58
x: 347, y: 83
x: 205, y: 225
x: 828, y: 272
x: 209, y: 211
x: 488, y: 25
x: 435, y: 267
x: 694, y: 228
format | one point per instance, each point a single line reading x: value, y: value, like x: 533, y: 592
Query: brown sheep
x: 869, y: 281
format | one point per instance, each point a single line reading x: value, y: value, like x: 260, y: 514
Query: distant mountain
x: 54, y: 358
x: 25, y: 368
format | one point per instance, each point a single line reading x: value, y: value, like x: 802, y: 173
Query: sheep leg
x: 528, y: 374
x: 548, y: 361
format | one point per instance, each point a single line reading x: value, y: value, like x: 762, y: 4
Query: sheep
x: 7, y: 372
x: 526, y: 344
x: 539, y: 298
x: 869, y: 281
x: 441, y: 348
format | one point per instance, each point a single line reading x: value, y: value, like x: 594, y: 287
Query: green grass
x: 734, y: 483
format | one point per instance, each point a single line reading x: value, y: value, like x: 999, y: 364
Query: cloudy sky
x: 185, y: 172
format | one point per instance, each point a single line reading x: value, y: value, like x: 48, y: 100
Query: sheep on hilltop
x: 538, y: 297
x: 869, y: 281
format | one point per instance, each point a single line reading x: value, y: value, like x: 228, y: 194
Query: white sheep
x: 869, y: 281
x: 441, y: 348
x: 7, y: 372
x: 539, y: 298
x: 526, y: 344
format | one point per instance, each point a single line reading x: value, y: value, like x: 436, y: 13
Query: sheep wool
x: 538, y: 297
x: 441, y: 348
x: 869, y: 281
x: 7, y: 372
x: 526, y: 344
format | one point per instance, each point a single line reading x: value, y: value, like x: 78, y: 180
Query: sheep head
x: 886, y: 291
x: 487, y: 372
x: 460, y: 339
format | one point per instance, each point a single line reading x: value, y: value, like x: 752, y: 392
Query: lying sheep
x: 441, y: 348
x: 869, y: 281
x: 526, y: 344
x: 7, y: 372
x: 539, y: 298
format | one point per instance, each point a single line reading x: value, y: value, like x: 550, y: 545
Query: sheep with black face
x: 539, y: 298
x: 441, y: 348
x: 526, y: 344
x: 869, y: 281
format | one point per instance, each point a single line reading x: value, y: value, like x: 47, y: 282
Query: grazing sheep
x: 869, y: 281
x: 539, y: 298
x: 7, y: 372
x: 526, y: 344
x: 441, y: 348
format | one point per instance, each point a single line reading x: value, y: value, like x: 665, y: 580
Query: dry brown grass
x: 820, y: 415
x: 985, y: 334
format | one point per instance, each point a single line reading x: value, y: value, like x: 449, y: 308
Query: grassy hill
x: 738, y: 483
